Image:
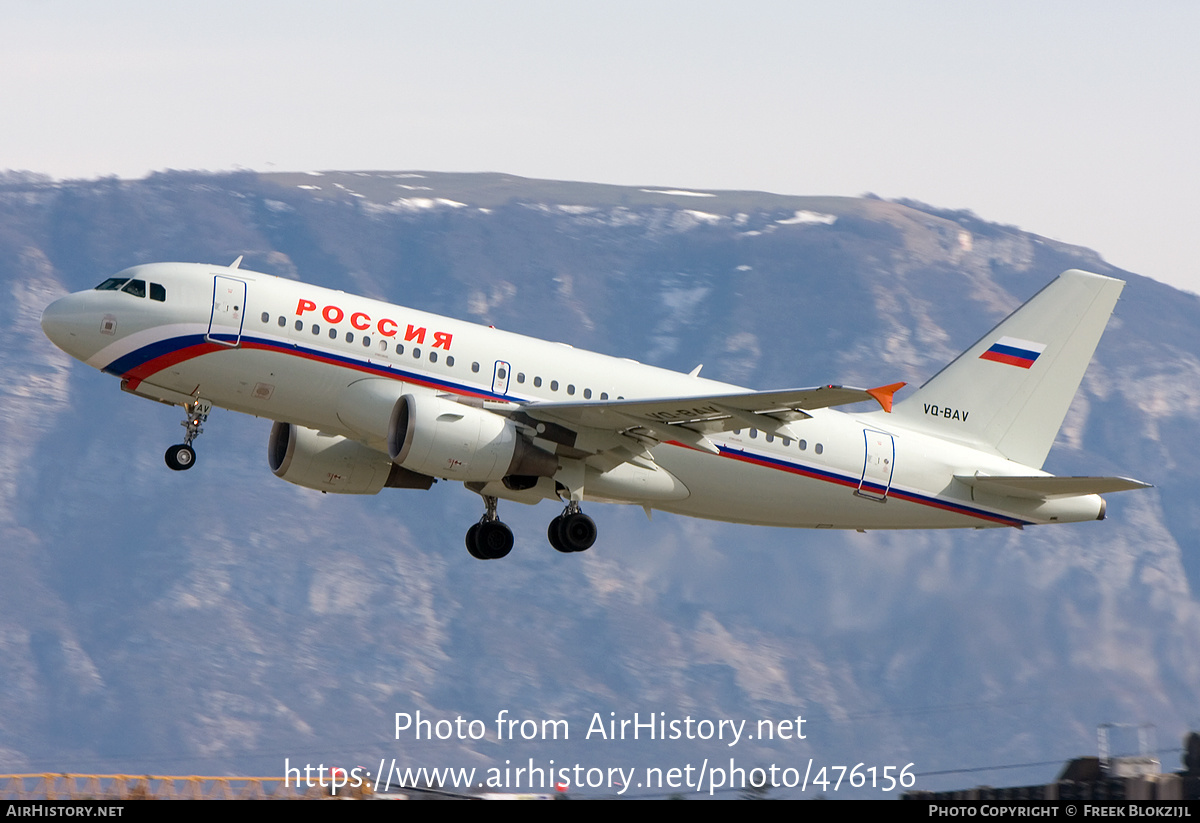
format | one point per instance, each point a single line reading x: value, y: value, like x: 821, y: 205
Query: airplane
x: 366, y: 395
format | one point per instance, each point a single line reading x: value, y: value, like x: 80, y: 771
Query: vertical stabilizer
x: 1011, y: 390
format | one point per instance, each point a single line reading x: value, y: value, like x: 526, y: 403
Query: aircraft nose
x: 63, y: 321
x: 52, y: 321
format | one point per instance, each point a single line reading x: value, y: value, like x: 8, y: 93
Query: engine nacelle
x: 442, y: 438
x: 332, y: 463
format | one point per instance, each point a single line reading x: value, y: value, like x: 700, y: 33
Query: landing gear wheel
x: 554, y: 535
x: 493, y: 540
x: 180, y: 458
x: 183, y: 456
x: 472, y: 545
x: 577, y: 532
x: 489, y: 539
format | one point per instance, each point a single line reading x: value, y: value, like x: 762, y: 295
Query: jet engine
x: 431, y: 435
x: 332, y: 463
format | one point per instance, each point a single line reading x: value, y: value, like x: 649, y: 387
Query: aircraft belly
x: 263, y: 383
x: 750, y: 484
x: 747, y: 488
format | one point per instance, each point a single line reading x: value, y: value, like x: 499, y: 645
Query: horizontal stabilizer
x: 1046, y: 487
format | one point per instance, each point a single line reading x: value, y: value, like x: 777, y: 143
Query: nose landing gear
x: 182, y: 456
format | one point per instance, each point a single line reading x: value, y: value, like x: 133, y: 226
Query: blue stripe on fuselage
x: 126, y: 363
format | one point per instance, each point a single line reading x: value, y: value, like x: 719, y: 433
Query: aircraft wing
x: 690, y: 419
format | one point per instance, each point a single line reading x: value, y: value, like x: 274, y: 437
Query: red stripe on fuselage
x: 150, y: 367
x: 164, y: 361
x: 145, y: 370
x: 850, y: 483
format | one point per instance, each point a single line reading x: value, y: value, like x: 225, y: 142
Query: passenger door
x: 879, y: 461
x: 500, y: 377
x: 228, y: 309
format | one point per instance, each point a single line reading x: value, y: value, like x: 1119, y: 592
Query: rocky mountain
x: 219, y: 620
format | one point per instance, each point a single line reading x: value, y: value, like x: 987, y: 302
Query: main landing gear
x: 490, y: 539
x: 572, y: 531
x: 182, y: 456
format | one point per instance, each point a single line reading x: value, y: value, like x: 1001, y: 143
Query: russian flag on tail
x: 1014, y: 352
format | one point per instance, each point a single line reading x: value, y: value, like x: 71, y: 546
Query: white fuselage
x: 289, y: 351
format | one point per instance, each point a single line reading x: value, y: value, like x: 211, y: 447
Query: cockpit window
x: 112, y: 284
x: 158, y: 292
x: 135, y: 287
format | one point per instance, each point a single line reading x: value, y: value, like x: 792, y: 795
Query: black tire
x: 578, y: 532
x: 494, y: 540
x: 473, y: 544
x: 554, y: 535
x: 180, y: 458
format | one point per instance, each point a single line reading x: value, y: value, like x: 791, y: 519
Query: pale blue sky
x: 1075, y: 120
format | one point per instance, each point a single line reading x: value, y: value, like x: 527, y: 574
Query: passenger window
x: 266, y: 317
x: 770, y: 438
x: 501, y: 373
x: 603, y: 395
x: 475, y: 367
x: 450, y: 360
x: 819, y: 449
x: 349, y: 337
x: 417, y: 352
x: 282, y: 321
x: 432, y: 357
x: 537, y: 382
x: 520, y: 377
x: 367, y: 340
x: 333, y: 334
x: 754, y: 434
x: 787, y: 441
x: 587, y: 394
x: 159, y: 292
x: 135, y: 287
x: 553, y: 385
x: 803, y: 445
x: 399, y: 347
x: 383, y: 345
x: 570, y: 388
x: 316, y: 329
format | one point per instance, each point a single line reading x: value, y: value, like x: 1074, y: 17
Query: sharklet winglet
x: 883, y: 394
